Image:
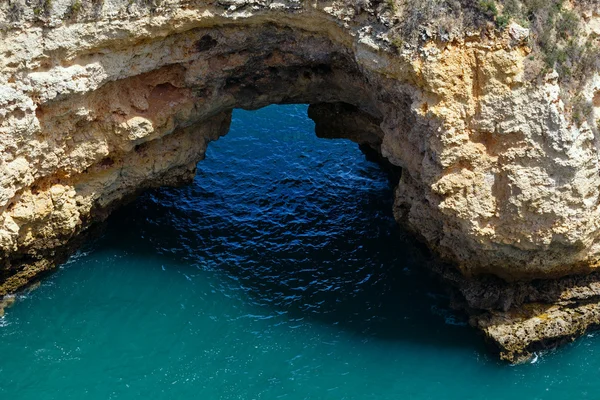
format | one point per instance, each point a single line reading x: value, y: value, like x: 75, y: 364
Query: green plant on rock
x: 43, y: 8
x: 74, y: 9
x: 397, y: 42
x: 556, y: 39
x: 581, y: 109
x: 502, y: 21
x: 391, y: 4
x: 489, y: 8
x: 511, y: 8
x: 567, y: 25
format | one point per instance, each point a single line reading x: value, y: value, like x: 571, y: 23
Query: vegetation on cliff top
x: 558, y: 40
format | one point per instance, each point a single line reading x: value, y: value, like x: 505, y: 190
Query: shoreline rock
x: 496, y: 177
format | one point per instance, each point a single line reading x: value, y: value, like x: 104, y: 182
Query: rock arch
x: 495, y: 178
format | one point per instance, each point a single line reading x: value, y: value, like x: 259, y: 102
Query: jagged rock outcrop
x: 496, y: 177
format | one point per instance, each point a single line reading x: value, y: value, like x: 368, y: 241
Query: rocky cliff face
x: 102, y: 99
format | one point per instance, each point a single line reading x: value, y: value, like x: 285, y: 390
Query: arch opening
x: 91, y: 129
x: 282, y: 259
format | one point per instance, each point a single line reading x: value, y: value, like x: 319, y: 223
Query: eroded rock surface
x: 495, y: 177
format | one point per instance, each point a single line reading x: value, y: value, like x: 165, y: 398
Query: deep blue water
x: 280, y: 273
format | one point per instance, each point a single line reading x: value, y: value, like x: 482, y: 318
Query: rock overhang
x: 496, y: 178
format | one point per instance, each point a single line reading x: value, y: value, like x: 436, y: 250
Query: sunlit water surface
x: 280, y: 273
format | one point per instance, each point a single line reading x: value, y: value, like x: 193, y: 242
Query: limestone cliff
x: 102, y: 99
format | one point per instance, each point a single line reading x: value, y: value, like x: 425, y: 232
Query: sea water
x: 279, y: 273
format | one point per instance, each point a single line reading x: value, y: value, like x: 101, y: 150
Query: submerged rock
x: 500, y: 175
x: 6, y: 302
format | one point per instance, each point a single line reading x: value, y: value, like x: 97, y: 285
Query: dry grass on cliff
x: 558, y: 40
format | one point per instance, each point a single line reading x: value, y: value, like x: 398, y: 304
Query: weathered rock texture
x: 495, y: 178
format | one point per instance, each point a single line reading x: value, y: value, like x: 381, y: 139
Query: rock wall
x: 100, y: 102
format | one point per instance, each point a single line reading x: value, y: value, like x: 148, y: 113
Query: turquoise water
x: 280, y: 273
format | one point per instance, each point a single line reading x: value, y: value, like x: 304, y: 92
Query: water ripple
x: 279, y: 273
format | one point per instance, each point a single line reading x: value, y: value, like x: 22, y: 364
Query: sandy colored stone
x: 94, y: 109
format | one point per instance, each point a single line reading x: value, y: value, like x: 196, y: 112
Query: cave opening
x: 281, y: 258
x: 298, y: 219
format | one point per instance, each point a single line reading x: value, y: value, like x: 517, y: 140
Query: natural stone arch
x: 150, y: 129
x: 96, y: 111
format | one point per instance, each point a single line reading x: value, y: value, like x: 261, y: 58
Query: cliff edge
x: 490, y: 109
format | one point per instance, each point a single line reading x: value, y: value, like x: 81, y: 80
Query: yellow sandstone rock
x: 496, y: 178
